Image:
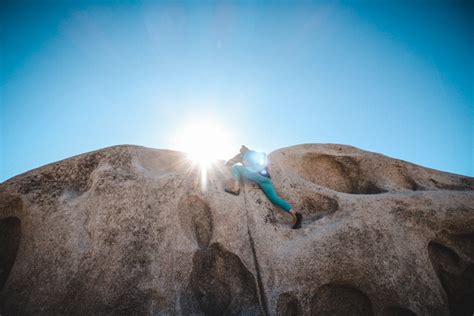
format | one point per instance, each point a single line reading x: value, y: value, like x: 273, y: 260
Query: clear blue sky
x: 394, y: 77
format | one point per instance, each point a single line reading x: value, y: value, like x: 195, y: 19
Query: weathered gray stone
x: 130, y: 230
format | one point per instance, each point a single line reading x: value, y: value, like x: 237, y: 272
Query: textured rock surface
x: 130, y: 230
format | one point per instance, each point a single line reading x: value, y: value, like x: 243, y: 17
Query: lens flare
x: 205, y: 142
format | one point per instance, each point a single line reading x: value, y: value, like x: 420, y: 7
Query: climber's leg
x: 269, y: 190
x: 265, y: 184
x: 237, y: 171
x: 252, y: 175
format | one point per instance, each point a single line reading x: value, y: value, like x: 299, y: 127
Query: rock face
x: 129, y: 230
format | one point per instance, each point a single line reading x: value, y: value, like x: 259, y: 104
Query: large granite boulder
x: 136, y: 231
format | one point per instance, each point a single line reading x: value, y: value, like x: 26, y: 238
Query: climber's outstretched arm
x: 236, y: 159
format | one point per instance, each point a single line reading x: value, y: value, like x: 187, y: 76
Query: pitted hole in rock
x: 464, y: 243
x: 411, y: 184
x: 330, y: 171
x: 368, y: 187
x: 317, y: 206
x: 288, y: 305
x: 456, y: 277
x: 398, y: 174
x: 446, y: 258
x: 222, y: 284
x: 398, y: 311
x: 196, y: 219
x: 332, y: 299
x: 338, y: 173
x: 10, y: 235
x: 463, y: 184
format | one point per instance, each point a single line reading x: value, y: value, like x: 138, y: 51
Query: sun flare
x: 205, y: 142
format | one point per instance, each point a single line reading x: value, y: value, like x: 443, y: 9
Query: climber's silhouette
x: 252, y: 165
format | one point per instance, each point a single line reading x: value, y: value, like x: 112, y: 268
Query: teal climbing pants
x: 239, y: 171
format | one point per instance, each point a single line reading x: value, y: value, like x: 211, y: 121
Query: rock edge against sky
x: 130, y: 230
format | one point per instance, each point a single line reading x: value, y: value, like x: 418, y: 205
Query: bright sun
x: 205, y: 141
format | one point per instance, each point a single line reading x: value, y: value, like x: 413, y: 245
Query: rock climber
x: 252, y: 165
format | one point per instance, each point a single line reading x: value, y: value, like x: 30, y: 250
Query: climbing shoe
x: 299, y: 219
x: 232, y: 192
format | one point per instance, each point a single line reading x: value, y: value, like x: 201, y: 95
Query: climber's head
x: 243, y: 149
